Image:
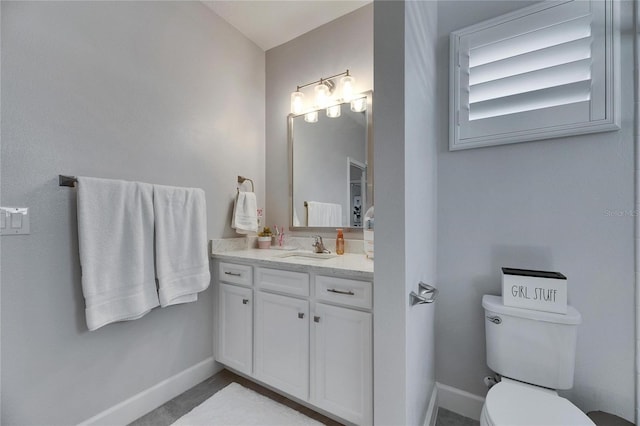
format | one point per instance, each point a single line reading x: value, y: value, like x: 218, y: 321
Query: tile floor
x: 449, y: 418
x: 171, y: 411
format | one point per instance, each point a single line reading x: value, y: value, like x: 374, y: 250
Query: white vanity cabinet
x: 342, y: 351
x: 282, y: 330
x: 303, y: 332
x: 235, y: 331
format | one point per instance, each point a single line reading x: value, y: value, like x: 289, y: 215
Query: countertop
x: 356, y: 265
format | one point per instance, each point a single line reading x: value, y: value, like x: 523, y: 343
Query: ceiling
x: 270, y: 23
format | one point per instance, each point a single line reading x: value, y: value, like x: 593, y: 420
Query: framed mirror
x: 331, y: 166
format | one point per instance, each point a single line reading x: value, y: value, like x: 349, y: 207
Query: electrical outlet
x: 14, y: 221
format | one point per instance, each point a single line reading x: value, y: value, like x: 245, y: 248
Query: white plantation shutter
x: 542, y: 72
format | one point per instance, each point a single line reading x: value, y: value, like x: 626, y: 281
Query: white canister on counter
x: 368, y: 233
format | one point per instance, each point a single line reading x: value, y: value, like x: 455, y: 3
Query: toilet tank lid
x: 494, y: 304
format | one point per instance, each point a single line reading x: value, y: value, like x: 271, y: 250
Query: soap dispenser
x: 340, y: 242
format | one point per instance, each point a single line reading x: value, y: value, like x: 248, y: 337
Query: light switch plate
x: 15, y: 220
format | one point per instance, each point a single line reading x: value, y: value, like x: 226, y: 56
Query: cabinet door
x: 282, y: 343
x: 235, y: 337
x: 342, y: 362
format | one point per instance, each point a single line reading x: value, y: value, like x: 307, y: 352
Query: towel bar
x: 67, y: 181
x: 241, y: 179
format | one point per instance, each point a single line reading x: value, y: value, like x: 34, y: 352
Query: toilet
x: 534, y: 353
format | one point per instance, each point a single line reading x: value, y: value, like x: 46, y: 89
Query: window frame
x: 610, y: 98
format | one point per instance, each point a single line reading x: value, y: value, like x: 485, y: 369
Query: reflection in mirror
x: 330, y: 167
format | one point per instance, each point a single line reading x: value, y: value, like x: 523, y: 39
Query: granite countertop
x: 352, y: 264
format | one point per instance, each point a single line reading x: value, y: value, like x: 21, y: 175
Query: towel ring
x: 241, y: 180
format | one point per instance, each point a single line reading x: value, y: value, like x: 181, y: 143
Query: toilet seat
x: 514, y: 403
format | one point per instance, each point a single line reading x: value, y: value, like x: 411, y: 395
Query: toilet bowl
x: 534, y: 352
x: 511, y: 403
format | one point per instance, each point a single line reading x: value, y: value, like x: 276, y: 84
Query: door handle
x: 426, y: 294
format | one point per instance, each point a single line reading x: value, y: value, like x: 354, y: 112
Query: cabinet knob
x: 245, y: 301
x: 316, y: 318
x: 300, y: 315
x: 234, y: 274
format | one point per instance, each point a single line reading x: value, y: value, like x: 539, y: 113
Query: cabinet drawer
x: 294, y: 283
x: 344, y: 291
x: 234, y: 273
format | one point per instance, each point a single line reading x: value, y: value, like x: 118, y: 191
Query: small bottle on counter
x: 340, y: 242
x: 368, y: 233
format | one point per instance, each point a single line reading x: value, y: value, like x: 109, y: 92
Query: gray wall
x: 345, y: 43
x: 539, y: 205
x: 160, y: 92
x: 405, y: 130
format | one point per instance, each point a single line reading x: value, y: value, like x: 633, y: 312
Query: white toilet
x: 534, y: 352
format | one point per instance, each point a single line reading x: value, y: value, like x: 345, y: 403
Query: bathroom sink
x: 307, y: 254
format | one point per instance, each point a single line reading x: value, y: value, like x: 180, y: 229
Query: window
x: 542, y: 72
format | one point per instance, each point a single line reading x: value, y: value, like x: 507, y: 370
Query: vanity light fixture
x: 323, y: 90
x: 359, y: 105
x: 346, y: 83
x: 334, y: 111
x: 311, y: 117
x: 297, y: 102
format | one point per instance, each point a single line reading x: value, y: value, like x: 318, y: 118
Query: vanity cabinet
x: 341, y: 375
x: 282, y: 343
x: 282, y: 330
x: 235, y: 331
x: 312, y: 335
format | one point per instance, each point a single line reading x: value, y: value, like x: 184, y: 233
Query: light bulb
x: 297, y: 102
x: 322, y: 95
x: 359, y: 105
x: 311, y: 117
x: 347, y: 83
x: 334, y: 111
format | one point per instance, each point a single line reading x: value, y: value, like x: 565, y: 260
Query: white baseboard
x: 459, y: 401
x: 140, y: 404
x: 432, y: 409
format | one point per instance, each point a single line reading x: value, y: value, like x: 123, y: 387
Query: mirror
x: 331, y: 168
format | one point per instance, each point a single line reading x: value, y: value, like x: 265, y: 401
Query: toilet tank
x: 531, y: 346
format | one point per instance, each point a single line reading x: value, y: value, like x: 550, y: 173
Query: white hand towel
x: 115, y: 235
x: 182, y: 262
x: 324, y: 214
x: 245, y: 213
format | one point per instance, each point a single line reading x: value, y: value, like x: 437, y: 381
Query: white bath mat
x: 237, y: 405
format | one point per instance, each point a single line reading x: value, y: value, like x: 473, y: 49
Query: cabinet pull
x: 316, y: 318
x: 300, y: 315
x: 245, y: 301
x: 348, y: 292
x: 235, y: 274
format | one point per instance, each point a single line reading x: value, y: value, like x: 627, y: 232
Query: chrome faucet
x: 318, y: 245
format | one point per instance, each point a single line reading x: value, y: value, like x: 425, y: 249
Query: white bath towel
x: 115, y: 236
x: 324, y: 214
x: 245, y: 213
x: 182, y: 262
